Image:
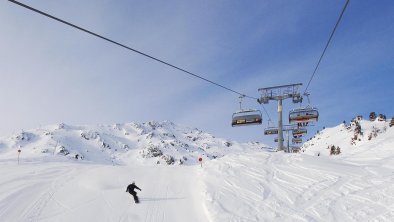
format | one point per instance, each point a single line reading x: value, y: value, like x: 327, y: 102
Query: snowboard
x: 136, y: 199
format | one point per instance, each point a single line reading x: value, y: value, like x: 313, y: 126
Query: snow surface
x: 245, y: 182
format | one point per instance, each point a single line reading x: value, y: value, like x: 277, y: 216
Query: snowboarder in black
x: 130, y: 189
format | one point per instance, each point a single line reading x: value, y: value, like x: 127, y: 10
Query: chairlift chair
x: 299, y: 132
x: 297, y: 136
x: 303, y: 115
x: 271, y: 131
x: 296, y: 140
x: 295, y: 149
x: 247, y: 118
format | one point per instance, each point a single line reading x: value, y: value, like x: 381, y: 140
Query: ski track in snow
x: 44, y: 186
x: 154, y: 211
x: 35, y: 211
x: 74, y: 192
x: 259, y: 186
x: 294, y: 188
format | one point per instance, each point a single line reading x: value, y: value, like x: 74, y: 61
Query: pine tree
x: 382, y: 117
x: 372, y: 116
x: 332, y: 150
x: 338, y: 150
x: 357, y: 130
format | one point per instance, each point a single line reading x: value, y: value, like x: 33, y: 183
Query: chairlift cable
x: 269, y: 118
x: 328, y: 42
x: 129, y: 48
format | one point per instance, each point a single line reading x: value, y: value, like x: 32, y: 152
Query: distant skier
x: 130, y: 189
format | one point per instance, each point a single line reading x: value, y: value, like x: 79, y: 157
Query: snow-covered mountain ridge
x: 146, y: 143
x: 361, y: 139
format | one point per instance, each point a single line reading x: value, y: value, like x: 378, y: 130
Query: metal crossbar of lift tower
x: 289, y: 127
x: 282, y: 86
x: 281, y: 92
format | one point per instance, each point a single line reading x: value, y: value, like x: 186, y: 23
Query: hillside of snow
x: 361, y: 140
x: 147, y: 143
x: 235, y: 183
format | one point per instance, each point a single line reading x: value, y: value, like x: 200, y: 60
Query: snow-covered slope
x: 362, y: 140
x: 146, y: 143
x: 249, y: 184
x: 297, y: 187
x: 81, y: 192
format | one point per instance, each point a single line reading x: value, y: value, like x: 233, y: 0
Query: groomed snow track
x: 256, y: 186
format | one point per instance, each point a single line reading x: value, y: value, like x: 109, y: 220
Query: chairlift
x: 246, y: 117
x: 271, y: 131
x: 295, y: 149
x: 299, y: 132
x: 296, y: 140
x: 303, y: 115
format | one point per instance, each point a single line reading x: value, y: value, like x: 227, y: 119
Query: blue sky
x: 51, y: 73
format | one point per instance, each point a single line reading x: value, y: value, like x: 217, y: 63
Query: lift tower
x: 279, y: 93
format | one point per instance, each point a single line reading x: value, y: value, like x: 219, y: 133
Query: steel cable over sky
x: 129, y: 48
x: 176, y: 67
x: 328, y: 43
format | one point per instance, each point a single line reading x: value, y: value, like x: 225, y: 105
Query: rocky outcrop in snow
x: 360, y: 135
x: 147, y: 143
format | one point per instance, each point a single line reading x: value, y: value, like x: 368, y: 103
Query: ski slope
x: 88, y: 192
x: 255, y: 186
x: 245, y: 183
